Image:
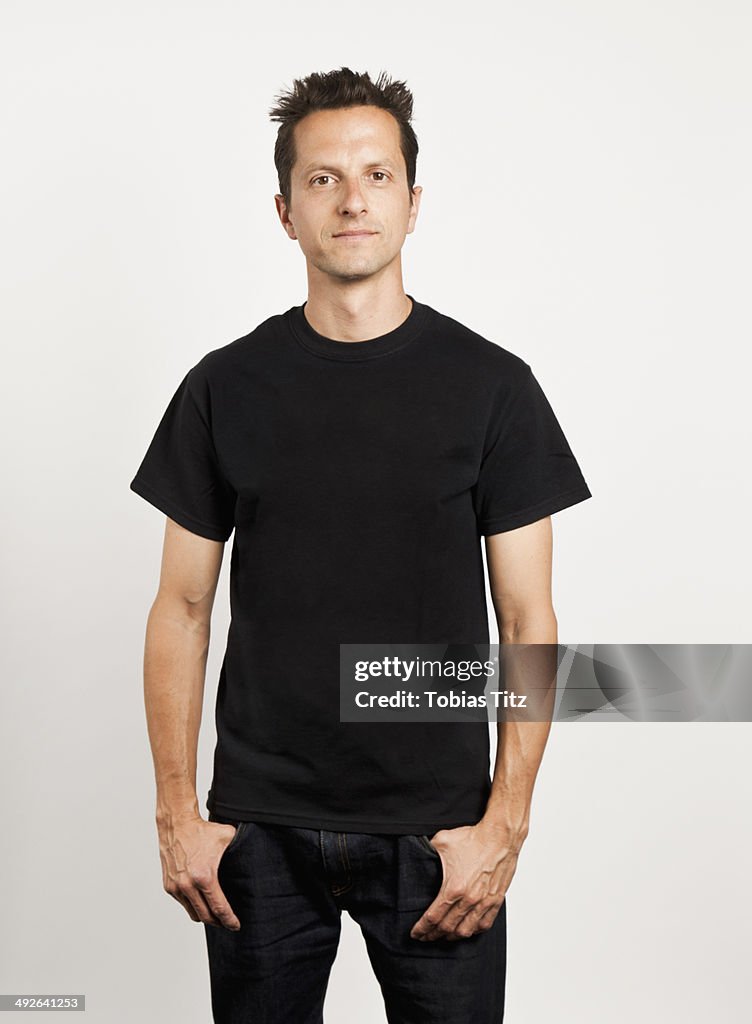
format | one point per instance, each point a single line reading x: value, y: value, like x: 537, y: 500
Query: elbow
x: 539, y: 628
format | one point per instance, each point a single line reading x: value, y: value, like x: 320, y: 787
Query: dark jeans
x: 288, y: 887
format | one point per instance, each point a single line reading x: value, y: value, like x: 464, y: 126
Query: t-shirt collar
x: 330, y: 348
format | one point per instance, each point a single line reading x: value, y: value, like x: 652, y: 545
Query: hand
x: 190, y: 850
x: 479, y: 862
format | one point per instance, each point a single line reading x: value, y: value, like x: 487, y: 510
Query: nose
x: 352, y: 202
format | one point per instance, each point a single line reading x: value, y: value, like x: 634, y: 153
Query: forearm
x: 521, y: 744
x: 177, y: 646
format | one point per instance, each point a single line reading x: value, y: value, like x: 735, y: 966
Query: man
x: 359, y: 445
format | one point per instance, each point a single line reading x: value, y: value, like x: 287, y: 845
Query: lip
x: 354, y: 234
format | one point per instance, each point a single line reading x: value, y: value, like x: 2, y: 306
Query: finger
x: 460, y: 922
x: 218, y: 905
x: 490, y: 916
x: 478, y: 919
x: 195, y: 898
x: 468, y: 925
x: 432, y: 926
x: 432, y: 916
x: 184, y: 903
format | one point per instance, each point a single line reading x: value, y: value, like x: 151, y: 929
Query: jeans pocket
x: 426, y: 842
x: 240, y: 828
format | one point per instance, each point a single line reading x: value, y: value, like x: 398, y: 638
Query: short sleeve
x: 180, y: 473
x: 528, y: 470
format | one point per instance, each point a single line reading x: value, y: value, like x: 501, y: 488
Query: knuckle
x: 218, y: 907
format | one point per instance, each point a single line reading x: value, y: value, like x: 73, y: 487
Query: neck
x: 357, y: 310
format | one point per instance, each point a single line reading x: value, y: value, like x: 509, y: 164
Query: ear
x: 417, y: 191
x: 283, y: 213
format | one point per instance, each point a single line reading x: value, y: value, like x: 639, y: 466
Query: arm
x: 519, y: 568
x: 479, y: 861
x: 177, y: 645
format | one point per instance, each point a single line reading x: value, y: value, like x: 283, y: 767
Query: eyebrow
x: 331, y: 167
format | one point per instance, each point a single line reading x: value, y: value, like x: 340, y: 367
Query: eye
x: 320, y: 177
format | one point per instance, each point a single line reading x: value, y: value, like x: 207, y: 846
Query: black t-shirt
x: 358, y: 478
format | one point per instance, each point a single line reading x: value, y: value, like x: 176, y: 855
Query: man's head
x: 345, y: 157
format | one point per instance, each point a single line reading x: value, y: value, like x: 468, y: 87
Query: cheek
x: 309, y: 235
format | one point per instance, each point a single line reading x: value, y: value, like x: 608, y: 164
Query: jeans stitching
x: 338, y: 890
x: 346, y: 853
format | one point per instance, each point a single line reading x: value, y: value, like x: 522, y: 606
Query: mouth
x: 355, y: 234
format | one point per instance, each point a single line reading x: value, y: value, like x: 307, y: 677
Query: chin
x: 354, y: 275
x: 351, y: 271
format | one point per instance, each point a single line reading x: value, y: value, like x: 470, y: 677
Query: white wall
x: 586, y: 173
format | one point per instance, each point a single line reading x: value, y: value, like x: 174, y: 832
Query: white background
x: 586, y: 170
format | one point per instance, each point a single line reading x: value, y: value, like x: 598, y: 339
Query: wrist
x: 168, y: 814
x: 504, y: 831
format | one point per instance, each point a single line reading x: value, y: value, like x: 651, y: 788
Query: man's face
x: 349, y: 176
